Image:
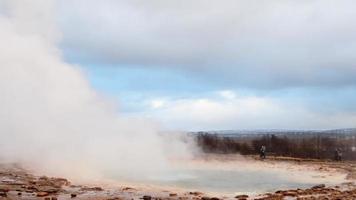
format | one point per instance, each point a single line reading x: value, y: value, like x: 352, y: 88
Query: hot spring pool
x: 235, y: 178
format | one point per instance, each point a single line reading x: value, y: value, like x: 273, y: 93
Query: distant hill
x: 315, y: 144
x: 281, y: 132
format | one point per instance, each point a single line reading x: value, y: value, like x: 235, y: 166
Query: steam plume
x: 50, y: 117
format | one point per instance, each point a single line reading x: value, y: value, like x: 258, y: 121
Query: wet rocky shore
x: 18, y: 183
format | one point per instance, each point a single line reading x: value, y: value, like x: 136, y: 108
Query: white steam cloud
x: 50, y: 117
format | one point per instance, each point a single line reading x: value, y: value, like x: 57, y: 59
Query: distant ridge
x: 251, y: 132
x: 341, y: 130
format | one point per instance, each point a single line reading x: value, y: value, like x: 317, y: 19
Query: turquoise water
x: 231, y: 181
x: 228, y: 181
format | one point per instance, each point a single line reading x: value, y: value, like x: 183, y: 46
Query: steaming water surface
x: 244, y: 179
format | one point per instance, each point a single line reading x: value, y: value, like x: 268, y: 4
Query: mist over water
x: 234, y: 175
x: 52, y: 120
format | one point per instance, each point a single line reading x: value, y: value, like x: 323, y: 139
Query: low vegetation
x: 314, y: 146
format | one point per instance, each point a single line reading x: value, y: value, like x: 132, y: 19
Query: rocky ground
x: 18, y: 183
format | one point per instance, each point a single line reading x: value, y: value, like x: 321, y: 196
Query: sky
x: 218, y: 65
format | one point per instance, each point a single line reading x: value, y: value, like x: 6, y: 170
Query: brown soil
x: 18, y: 183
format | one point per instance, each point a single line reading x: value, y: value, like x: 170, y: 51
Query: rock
x: 14, y: 182
x: 42, y: 194
x: 4, y: 189
x: 73, y: 195
x: 195, y: 193
x: 47, y: 198
x: 173, y: 194
x: 53, y: 182
x: 54, y: 198
x: 61, y: 181
x: 19, y: 194
x: 146, y: 197
x: 318, y: 186
x: 241, y: 197
x: 209, y: 198
x: 75, y: 186
x: 290, y: 193
x: 49, y: 189
x: 127, y: 188
x: 3, y: 194
x: 43, y: 178
x: 96, y: 189
x: 32, y: 188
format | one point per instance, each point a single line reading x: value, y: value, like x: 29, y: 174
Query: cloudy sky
x: 232, y: 64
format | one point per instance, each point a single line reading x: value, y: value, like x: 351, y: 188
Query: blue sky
x: 206, y: 65
x: 142, y: 92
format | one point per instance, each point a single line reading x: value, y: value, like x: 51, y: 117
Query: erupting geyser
x: 51, y: 119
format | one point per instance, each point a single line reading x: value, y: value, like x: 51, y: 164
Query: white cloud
x: 245, y: 112
x: 157, y: 103
x: 247, y: 43
x: 228, y: 94
x: 305, y: 45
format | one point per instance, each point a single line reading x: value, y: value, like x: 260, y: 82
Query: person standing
x: 337, y: 154
x: 263, y: 152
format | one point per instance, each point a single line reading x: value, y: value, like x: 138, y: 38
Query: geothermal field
x: 177, y: 100
x: 211, y: 177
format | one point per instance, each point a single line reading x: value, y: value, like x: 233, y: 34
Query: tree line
x: 315, y: 147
